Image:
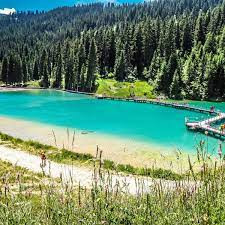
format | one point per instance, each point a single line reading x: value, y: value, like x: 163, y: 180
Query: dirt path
x: 68, y: 173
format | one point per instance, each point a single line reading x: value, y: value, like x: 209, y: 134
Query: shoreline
x: 8, y: 88
x: 119, y: 150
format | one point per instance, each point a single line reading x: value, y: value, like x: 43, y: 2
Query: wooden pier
x: 163, y: 103
x: 206, y: 126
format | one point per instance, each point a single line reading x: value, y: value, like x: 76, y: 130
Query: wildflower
x: 205, y: 218
x: 220, y: 150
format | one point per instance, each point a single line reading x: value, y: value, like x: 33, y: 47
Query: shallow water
x: 158, y: 125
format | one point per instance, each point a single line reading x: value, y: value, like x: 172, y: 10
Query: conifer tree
x: 120, y: 67
x: 36, y: 71
x: 186, y: 39
x: 91, y: 66
x: 24, y: 71
x: 176, y: 86
x: 199, y: 35
x: 138, y: 52
x: 4, y: 74
x: 59, y: 70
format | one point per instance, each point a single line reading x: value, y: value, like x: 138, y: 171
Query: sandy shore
x: 2, y: 89
x: 120, y: 150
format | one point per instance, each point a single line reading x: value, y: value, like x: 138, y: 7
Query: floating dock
x: 206, y: 126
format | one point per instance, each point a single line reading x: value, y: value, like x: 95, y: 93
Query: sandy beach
x: 120, y: 150
x: 2, y: 88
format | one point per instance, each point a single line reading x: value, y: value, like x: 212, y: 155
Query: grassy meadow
x: 113, y: 88
x: 63, y: 203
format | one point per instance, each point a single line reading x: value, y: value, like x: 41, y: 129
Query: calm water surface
x: 158, y: 125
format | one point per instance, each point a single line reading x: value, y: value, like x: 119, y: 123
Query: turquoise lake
x: 157, y: 125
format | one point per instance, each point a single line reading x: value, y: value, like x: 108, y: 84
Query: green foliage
x: 115, y: 88
x: 33, y: 84
x: 65, y: 155
x: 183, y: 202
x: 181, y: 55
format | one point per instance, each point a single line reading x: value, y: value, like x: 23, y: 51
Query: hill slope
x: 177, y: 46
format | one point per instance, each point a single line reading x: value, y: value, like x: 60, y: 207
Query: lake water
x: 154, y: 124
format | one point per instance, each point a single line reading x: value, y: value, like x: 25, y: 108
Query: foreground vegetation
x: 14, y: 178
x: 70, y: 157
x: 199, y: 202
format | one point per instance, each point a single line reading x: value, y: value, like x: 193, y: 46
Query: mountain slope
x: 177, y: 46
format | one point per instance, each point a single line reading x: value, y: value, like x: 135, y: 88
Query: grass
x: 10, y: 173
x: 69, y: 157
x: 33, y: 84
x: 113, y: 88
x: 17, y: 179
x: 202, y: 203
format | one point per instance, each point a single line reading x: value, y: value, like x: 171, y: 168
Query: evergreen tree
x: 112, y: 51
x: 18, y: 77
x: 44, y: 79
x: 138, y: 52
x: 176, y: 86
x: 36, y: 71
x: 24, y: 71
x: 91, y: 66
x: 4, y: 74
x: 120, y: 68
x: 43, y: 65
x: 199, y: 35
x: 69, y: 72
x: 154, y: 67
x: 83, y: 77
x: 81, y: 61
x: 15, y: 70
x: 186, y: 41
x: 58, y: 77
x: 210, y: 44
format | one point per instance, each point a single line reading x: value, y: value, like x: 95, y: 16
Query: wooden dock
x: 163, y: 103
x: 206, y: 126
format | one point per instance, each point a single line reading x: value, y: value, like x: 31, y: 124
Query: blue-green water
x: 158, y: 125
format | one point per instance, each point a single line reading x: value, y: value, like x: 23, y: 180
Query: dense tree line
x: 178, y: 46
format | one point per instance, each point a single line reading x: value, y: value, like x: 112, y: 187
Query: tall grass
x: 70, y: 157
x: 199, y: 203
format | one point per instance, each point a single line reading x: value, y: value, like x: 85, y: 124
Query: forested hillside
x: 178, y: 46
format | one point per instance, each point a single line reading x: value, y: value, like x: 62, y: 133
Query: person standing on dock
x: 211, y: 109
x: 222, y: 127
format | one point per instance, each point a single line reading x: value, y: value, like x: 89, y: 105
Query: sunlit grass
x: 195, y: 202
x: 69, y: 157
x: 113, y: 88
